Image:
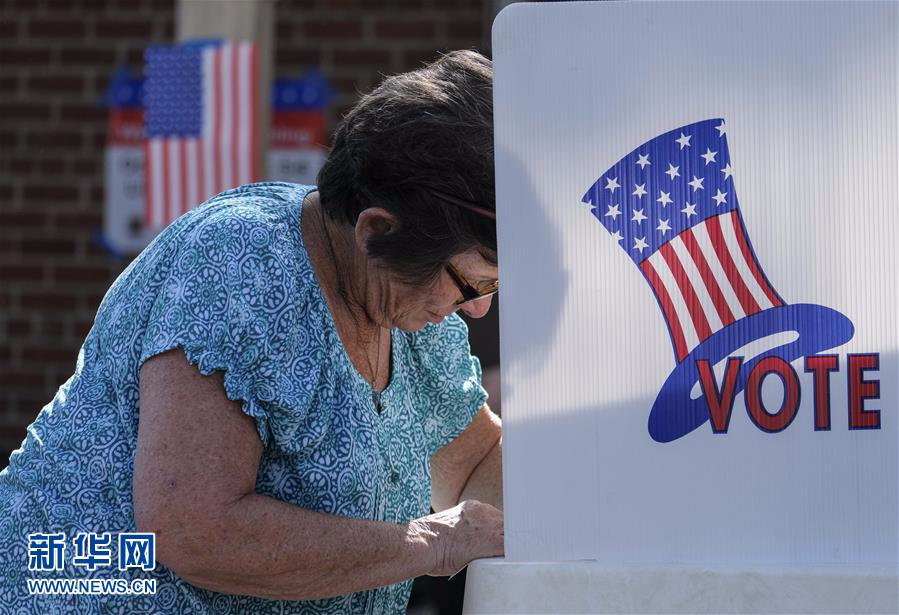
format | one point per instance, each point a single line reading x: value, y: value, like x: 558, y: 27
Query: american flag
x: 672, y: 206
x: 200, y: 124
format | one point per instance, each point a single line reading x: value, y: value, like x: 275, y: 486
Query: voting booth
x: 696, y: 204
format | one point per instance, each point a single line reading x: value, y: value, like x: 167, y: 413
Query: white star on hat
x: 709, y: 155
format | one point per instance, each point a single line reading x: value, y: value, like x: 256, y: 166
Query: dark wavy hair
x: 417, y: 135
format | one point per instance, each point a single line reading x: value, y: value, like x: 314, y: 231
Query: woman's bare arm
x: 194, y: 477
x: 470, y: 466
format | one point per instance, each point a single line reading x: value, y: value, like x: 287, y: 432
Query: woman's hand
x: 462, y: 533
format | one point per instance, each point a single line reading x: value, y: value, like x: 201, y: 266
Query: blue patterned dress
x: 231, y: 283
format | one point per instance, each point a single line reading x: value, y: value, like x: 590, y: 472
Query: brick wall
x: 55, y: 59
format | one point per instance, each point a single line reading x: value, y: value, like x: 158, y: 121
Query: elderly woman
x: 279, y: 387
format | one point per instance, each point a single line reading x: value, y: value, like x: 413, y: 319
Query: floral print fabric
x: 230, y: 283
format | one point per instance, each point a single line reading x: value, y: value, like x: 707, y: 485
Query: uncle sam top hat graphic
x: 671, y: 204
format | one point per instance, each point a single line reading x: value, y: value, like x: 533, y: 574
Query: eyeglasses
x: 452, y: 199
x: 471, y: 291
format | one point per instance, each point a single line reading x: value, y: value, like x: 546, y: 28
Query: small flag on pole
x: 200, y: 125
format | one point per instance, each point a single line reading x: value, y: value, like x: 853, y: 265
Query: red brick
x: 11, y: 437
x: 470, y: 29
x: 161, y: 5
x: 56, y: 375
x: 303, y: 56
x: 22, y: 219
x: 24, y: 111
x: 48, y: 300
x: 29, y: 405
x: 8, y: 85
x: 17, y: 327
x: 52, y: 165
x: 78, y: 220
x: 168, y: 30
x: 50, y: 192
x: 21, y: 165
x: 95, y: 251
x: 42, y: 246
x: 98, y: 139
x: 8, y: 29
x: 81, y: 328
x: 134, y: 57
x: 11, y: 56
x: 346, y: 86
x: 87, y: 56
x: 56, y: 29
x: 62, y: 5
x: 82, y: 112
x: 25, y: 378
x: 86, y: 166
x: 402, y: 29
x: 60, y: 139
x: 6, y: 191
x: 8, y: 138
x: 332, y: 28
x: 362, y: 57
x: 129, y: 5
x: 284, y: 30
x: 414, y: 58
x: 19, y: 273
x: 49, y: 354
x: 56, y: 83
x: 459, y: 5
x: 81, y: 274
x: 52, y: 328
x: 92, y: 302
x: 365, y: 4
x: 119, y: 29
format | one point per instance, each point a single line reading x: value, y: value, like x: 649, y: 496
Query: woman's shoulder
x: 252, y: 221
x: 235, y: 264
x: 264, y: 204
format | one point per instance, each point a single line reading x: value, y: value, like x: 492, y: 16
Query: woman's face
x: 412, y: 307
